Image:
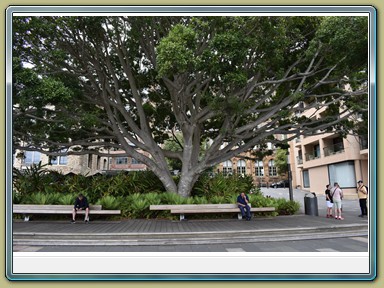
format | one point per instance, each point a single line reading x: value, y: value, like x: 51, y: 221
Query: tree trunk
x: 186, y: 183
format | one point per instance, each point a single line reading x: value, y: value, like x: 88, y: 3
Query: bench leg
x: 182, y: 217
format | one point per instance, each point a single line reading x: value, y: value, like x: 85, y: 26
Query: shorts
x: 329, y: 204
x: 83, y: 207
x: 337, y: 204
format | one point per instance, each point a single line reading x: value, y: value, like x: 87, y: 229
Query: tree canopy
x: 129, y: 83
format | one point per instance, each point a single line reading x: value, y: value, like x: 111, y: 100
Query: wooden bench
x: 29, y: 209
x: 206, y: 208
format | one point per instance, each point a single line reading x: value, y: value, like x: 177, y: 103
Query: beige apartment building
x: 327, y: 158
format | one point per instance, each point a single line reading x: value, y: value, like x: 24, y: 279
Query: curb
x: 183, y: 238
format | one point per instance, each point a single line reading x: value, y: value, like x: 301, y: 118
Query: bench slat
x: 50, y: 211
x: 27, y: 209
x: 51, y: 207
x: 191, y: 206
x: 219, y: 210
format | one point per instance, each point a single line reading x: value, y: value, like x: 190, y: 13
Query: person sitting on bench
x: 81, y: 203
x: 245, y: 209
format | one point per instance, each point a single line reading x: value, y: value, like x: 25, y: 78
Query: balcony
x: 363, y: 143
x: 299, y: 160
x: 311, y: 156
x: 297, y: 142
x: 333, y: 149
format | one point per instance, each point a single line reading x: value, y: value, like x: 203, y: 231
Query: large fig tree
x: 128, y: 83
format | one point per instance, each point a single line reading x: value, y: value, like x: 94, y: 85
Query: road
x: 351, y: 244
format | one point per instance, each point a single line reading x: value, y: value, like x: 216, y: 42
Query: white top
x: 337, y: 193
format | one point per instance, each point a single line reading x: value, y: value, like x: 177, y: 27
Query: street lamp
x: 289, y: 177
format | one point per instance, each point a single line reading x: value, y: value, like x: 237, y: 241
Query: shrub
x: 231, y: 198
x: 217, y: 200
x: 171, y: 198
x: 41, y: 199
x: 124, y: 206
x: 285, y: 207
x: 222, y: 185
x: 109, y: 203
x: 67, y: 199
x: 134, y: 192
x: 199, y: 200
x: 16, y: 197
x: 153, y: 198
x: 142, y: 182
x: 80, y: 184
x: 30, y: 180
x: 140, y: 208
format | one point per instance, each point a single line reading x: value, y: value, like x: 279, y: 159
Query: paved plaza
x: 142, y: 234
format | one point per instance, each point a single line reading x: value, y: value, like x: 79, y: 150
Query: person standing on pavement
x: 329, y: 200
x: 81, y: 203
x: 337, y: 196
x: 362, y: 194
x: 242, y: 203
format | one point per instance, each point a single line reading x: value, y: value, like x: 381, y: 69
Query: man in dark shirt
x: 81, y: 203
x: 245, y: 209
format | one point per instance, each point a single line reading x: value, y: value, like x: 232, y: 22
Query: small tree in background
x: 281, y: 161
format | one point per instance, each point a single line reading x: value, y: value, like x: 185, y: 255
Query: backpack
x: 366, y: 188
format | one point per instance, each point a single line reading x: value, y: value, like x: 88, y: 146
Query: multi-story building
x: 327, y: 158
x: 79, y: 164
x: 117, y: 163
x: 263, y: 171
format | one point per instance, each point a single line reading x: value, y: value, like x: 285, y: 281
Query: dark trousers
x: 245, y: 211
x: 363, y: 206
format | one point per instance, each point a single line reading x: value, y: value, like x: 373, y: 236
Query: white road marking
x: 326, y: 250
x: 235, y: 250
x: 26, y: 248
x: 361, y: 239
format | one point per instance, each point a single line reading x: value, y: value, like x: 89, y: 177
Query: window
x: 98, y: 162
x: 134, y: 161
x: 338, y: 144
x: 271, y: 146
x: 60, y: 160
x: 272, y: 168
x: 121, y: 160
x: 259, y: 168
x: 299, y: 157
x: 227, y: 167
x: 241, y: 167
x: 32, y: 157
x: 90, y: 160
x: 363, y: 140
x: 343, y: 173
x: 306, y: 179
x: 316, y: 151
